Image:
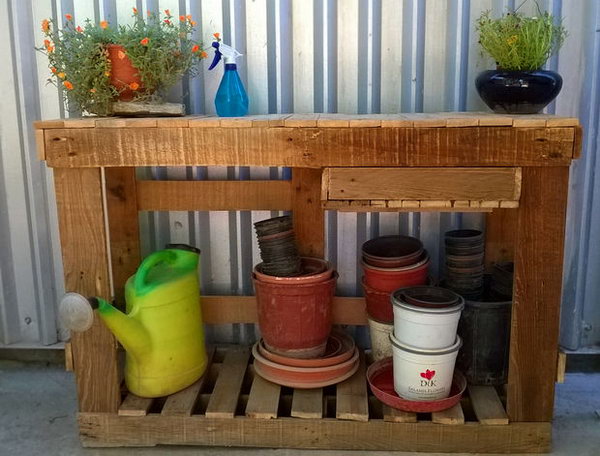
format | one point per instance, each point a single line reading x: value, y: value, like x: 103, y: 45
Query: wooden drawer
x: 430, y: 188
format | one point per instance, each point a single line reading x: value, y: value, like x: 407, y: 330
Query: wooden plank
x: 263, y: 401
x: 220, y: 310
x: 334, y: 121
x: 352, y: 402
x: 123, y: 227
x: 433, y: 186
x: 453, y: 416
x: 135, y: 406
x: 301, y: 120
x: 309, y: 217
x: 85, y: 264
x: 301, y: 147
x: 561, y: 367
x: 237, y: 122
x: 112, y: 430
x: 307, y: 403
x: 273, y: 195
x: 40, y: 145
x: 487, y: 406
x: 183, y: 402
x: 537, y: 294
x: 172, y: 122
x: 578, y: 142
x: 68, y: 356
x: 393, y: 415
x: 48, y: 124
x: 500, y: 232
x: 224, y: 398
x: 142, y: 122
x: 399, y: 206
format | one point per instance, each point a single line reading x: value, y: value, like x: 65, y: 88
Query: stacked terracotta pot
x: 464, y: 262
x: 389, y: 263
x: 424, y: 341
x: 294, y: 315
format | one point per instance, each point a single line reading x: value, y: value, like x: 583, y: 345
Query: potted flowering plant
x: 520, y: 46
x: 97, y: 64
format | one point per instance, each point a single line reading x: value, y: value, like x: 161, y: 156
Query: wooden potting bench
x: 515, y: 168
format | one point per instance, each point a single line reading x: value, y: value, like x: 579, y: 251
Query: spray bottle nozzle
x: 222, y: 50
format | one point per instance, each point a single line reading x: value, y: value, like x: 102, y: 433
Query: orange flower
x: 135, y: 11
x: 167, y: 21
x: 134, y: 86
x: 46, y: 44
x: 203, y: 54
x: 148, y: 13
x: 168, y: 12
x: 50, y: 49
x: 93, y: 90
x: 103, y: 24
x: 68, y: 85
x: 144, y: 41
x: 79, y: 29
x: 193, y: 23
x: 61, y: 75
x: 54, y: 70
x: 189, y: 16
x: 217, y: 35
x: 182, y: 18
x: 195, y: 48
x: 68, y: 17
x: 45, y: 25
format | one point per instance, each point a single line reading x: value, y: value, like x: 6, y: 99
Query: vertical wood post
x: 537, y: 293
x: 85, y: 261
x: 123, y: 225
x: 500, y: 232
x: 309, y: 217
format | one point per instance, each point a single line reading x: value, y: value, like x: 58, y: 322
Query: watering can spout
x: 128, y: 331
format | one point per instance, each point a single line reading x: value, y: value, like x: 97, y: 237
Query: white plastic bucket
x: 424, y: 327
x: 424, y: 375
x: 381, y: 346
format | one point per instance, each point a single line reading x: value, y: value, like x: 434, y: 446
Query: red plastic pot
x: 122, y: 72
x: 390, y: 279
x: 294, y: 319
x: 312, y: 270
x: 379, y: 306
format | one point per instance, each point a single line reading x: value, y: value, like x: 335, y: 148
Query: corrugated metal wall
x: 351, y: 56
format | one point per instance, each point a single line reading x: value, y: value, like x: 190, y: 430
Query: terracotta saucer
x: 304, y: 377
x: 380, y: 376
x: 340, y: 347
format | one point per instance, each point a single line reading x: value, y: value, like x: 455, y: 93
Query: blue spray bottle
x: 231, y: 99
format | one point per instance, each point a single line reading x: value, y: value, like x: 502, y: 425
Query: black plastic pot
x: 518, y: 92
x: 484, y: 327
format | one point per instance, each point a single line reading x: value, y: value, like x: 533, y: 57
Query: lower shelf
x: 230, y: 406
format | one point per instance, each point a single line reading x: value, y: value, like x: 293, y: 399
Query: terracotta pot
x: 313, y: 270
x: 295, y: 320
x: 122, y: 72
x: 304, y: 377
x: 392, y: 251
x: 379, y: 305
x: 390, y: 279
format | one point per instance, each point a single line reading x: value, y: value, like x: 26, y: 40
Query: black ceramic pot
x: 518, y: 92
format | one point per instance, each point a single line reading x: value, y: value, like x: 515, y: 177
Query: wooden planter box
x: 514, y: 168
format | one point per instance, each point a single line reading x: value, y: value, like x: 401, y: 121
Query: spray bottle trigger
x: 217, y: 57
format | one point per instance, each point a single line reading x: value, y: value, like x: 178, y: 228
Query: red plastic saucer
x: 380, y: 376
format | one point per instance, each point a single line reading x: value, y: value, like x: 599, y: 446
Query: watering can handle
x: 163, y: 256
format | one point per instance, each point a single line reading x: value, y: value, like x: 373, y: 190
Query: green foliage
x: 159, y: 48
x: 520, y: 43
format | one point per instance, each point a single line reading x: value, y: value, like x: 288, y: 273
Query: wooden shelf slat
x: 220, y: 310
x: 352, y: 402
x: 263, y: 401
x: 274, y: 195
x: 393, y: 415
x: 135, y: 405
x: 307, y: 403
x: 453, y: 415
x: 224, y: 399
x: 487, y: 405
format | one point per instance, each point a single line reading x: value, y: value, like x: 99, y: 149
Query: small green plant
x: 520, y: 43
x: 160, y: 48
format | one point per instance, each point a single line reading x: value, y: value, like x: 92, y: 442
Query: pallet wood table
x: 514, y: 168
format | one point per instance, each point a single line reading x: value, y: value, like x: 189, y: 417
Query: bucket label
x: 427, y: 386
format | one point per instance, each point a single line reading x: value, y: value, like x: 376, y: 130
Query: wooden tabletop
x: 312, y: 140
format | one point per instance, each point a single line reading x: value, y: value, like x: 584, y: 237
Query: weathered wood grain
x: 434, y: 184
x: 500, y: 232
x: 351, y: 396
x: 309, y: 147
x: 308, y: 215
x: 123, y: 227
x: 398, y: 416
x: 453, y: 416
x: 135, y: 405
x: 275, y: 195
x: 99, y: 430
x: 487, y: 406
x: 224, y: 398
x: 307, y: 403
x: 263, y: 401
x: 220, y: 310
x: 85, y: 263
x: 537, y: 294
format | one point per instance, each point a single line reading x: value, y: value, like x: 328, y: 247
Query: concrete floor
x: 37, y: 417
